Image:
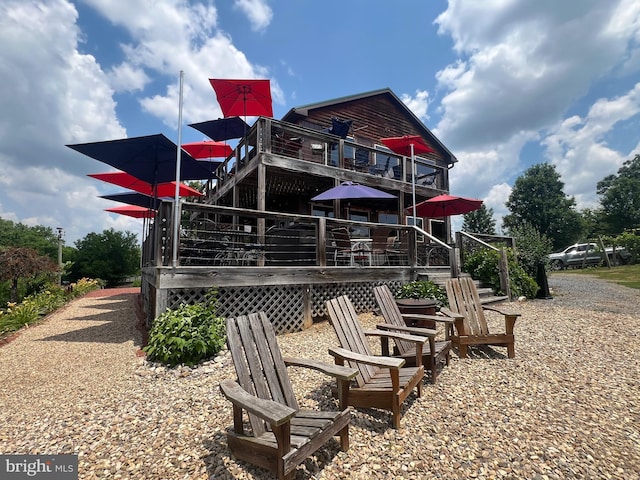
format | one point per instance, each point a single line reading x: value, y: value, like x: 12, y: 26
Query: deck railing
x: 274, y: 137
x: 212, y: 235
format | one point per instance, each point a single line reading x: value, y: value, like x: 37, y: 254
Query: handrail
x: 485, y: 244
x: 431, y: 237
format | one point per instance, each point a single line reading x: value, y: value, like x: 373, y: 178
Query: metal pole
x: 413, y: 182
x: 60, y: 234
x: 176, y: 202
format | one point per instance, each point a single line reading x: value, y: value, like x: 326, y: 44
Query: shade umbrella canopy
x: 133, y: 211
x: 126, y: 180
x: 222, y: 128
x: 445, y: 206
x: 243, y: 97
x: 402, y: 145
x: 134, y: 198
x: 207, y: 149
x: 150, y: 158
x: 350, y: 190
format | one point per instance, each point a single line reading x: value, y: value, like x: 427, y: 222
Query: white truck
x: 574, y: 256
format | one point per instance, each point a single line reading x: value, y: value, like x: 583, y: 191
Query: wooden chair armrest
x: 395, y: 336
x: 382, y: 362
x: 501, y: 312
x: 271, y: 412
x: 425, y: 332
x: 433, y: 318
x: 453, y: 315
x: 336, y: 371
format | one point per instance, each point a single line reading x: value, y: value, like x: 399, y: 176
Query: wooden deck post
x: 307, y: 307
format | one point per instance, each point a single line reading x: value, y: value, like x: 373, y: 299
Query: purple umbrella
x: 350, y: 190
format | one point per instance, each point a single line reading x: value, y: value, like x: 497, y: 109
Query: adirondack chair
x: 472, y: 329
x: 435, y: 353
x: 282, y: 435
x: 382, y: 382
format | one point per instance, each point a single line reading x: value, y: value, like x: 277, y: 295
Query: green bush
x: 36, y: 305
x: 631, y: 243
x: 532, y: 247
x: 423, y: 289
x: 187, y: 334
x: 483, y: 265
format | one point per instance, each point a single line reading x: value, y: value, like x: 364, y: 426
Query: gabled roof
x: 303, y: 111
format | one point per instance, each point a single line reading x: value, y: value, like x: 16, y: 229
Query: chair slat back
x: 463, y: 298
x: 342, y: 238
x: 345, y: 322
x: 258, y: 362
x: 391, y: 313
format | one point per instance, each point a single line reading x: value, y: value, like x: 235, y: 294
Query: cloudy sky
x: 503, y: 83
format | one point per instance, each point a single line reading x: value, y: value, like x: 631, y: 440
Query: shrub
x: 484, y: 266
x: 533, y: 247
x: 423, y: 289
x: 187, y: 334
x: 34, y: 306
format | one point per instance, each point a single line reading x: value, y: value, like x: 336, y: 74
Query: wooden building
x: 265, y: 245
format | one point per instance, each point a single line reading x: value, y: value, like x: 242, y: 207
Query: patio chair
x: 382, y: 382
x: 281, y: 435
x: 346, y: 250
x: 434, y: 353
x: 471, y: 324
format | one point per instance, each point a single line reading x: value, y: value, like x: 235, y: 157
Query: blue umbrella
x: 134, y: 198
x: 350, y: 190
x: 151, y: 158
x: 222, y: 128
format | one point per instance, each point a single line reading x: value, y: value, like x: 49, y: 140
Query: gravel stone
x: 567, y: 407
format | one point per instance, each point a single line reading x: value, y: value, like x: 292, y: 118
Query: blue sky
x: 504, y: 84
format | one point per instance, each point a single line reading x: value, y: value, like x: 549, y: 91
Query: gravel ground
x: 566, y: 407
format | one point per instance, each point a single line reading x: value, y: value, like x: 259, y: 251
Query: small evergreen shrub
x: 187, y: 334
x: 423, y: 289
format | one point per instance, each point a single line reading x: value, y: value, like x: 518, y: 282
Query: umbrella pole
x: 413, y: 182
x: 176, y: 202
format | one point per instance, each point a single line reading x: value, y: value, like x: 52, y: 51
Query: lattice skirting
x: 283, y: 304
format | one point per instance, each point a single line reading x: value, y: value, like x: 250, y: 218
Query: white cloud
x: 419, y: 104
x: 55, y: 95
x: 257, y: 11
x: 579, y: 149
x: 525, y: 63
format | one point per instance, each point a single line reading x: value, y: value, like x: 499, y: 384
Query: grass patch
x: 627, y: 275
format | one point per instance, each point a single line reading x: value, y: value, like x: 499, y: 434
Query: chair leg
x: 344, y: 439
x: 511, y: 350
x: 462, y: 351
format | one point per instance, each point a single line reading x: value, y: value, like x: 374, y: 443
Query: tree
x: 39, y: 238
x: 620, y: 197
x: 480, y: 221
x: 538, y: 199
x: 19, y: 262
x: 111, y: 256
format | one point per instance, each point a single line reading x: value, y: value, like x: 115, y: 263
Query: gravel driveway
x: 566, y: 407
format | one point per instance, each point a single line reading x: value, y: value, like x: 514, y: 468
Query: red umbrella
x: 168, y: 189
x: 446, y: 205
x: 243, y: 97
x: 133, y: 211
x: 409, y: 146
x: 207, y: 149
x: 402, y: 145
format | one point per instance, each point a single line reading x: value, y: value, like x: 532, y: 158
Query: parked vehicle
x: 574, y: 256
